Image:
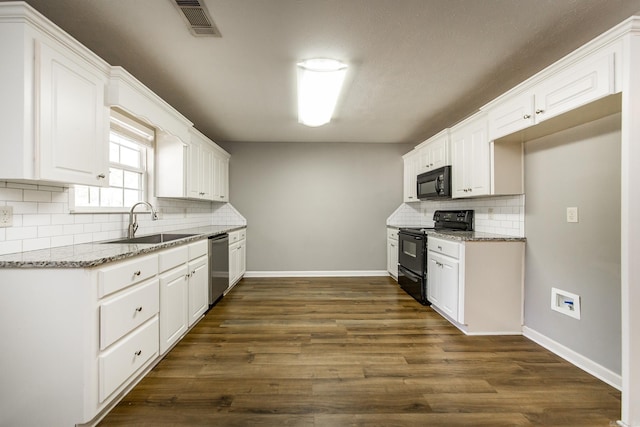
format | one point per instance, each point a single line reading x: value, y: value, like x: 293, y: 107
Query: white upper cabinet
x: 53, y: 117
x: 411, y: 162
x: 433, y: 153
x: 550, y: 94
x: 198, y: 169
x: 220, y: 175
x: 471, y: 158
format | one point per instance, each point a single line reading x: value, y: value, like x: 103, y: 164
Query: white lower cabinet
x: 183, y: 290
x: 127, y: 357
x: 237, y: 256
x: 92, y: 333
x: 477, y: 285
x: 392, y: 252
x: 198, y: 288
x: 128, y: 323
x: 443, y: 283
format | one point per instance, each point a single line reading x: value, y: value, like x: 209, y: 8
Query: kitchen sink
x: 152, y: 238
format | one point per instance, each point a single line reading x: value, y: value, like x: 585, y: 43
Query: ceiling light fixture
x: 319, y: 83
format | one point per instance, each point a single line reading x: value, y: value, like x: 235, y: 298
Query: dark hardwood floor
x: 355, y: 351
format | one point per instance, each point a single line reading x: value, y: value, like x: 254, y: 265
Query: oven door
x: 411, y: 252
x: 413, y: 284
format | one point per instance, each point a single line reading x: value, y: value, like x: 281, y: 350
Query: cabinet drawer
x: 234, y: 236
x: 198, y: 249
x: 392, y: 233
x: 445, y: 247
x: 126, y: 273
x: 171, y: 258
x: 242, y: 234
x: 123, y: 360
x: 126, y: 312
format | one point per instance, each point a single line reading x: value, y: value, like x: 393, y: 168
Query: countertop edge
x: 115, y: 251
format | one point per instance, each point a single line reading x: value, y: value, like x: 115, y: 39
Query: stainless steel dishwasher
x: 218, y: 266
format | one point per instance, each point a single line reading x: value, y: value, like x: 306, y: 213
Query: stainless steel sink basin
x: 152, y: 238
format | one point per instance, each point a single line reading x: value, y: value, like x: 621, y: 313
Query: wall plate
x: 565, y: 302
x: 6, y: 216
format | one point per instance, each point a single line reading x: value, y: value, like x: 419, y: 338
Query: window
x: 129, y: 146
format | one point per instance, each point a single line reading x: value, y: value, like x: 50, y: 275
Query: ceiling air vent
x: 197, y: 18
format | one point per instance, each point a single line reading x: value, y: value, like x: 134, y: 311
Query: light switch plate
x: 6, y: 216
x: 572, y: 214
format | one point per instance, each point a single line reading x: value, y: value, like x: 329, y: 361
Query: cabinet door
x: 193, y: 170
x: 206, y: 173
x: 198, y: 289
x: 480, y: 161
x: 433, y: 279
x: 73, y: 120
x: 511, y: 115
x: 439, y: 153
x: 220, y: 178
x: 578, y: 85
x: 172, y: 164
x: 471, y: 159
x: 242, y: 259
x: 392, y: 257
x: 449, y: 285
x: 410, y: 184
x: 460, y: 182
x: 234, y: 263
x: 174, y: 318
x: 423, y: 160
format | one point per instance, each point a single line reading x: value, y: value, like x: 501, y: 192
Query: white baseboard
x: 587, y: 365
x: 345, y: 273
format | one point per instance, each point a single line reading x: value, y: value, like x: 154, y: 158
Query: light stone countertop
x: 466, y: 236
x: 97, y: 253
x: 474, y: 236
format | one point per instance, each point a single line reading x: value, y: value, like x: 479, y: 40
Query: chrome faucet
x: 133, y: 220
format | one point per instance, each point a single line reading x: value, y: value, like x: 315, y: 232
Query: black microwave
x: 435, y: 184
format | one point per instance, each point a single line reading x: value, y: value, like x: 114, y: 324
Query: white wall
x: 41, y: 218
x: 316, y: 206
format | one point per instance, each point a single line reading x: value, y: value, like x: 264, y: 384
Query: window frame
x: 136, y: 133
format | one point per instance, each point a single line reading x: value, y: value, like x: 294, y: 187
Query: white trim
x: 338, y: 273
x: 582, y: 362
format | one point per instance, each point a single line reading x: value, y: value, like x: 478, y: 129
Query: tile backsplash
x: 500, y: 214
x: 41, y: 218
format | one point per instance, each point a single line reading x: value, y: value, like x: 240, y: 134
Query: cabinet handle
x: 440, y: 247
x: 187, y: 276
x: 526, y: 116
x: 102, y: 176
x: 193, y: 272
x: 137, y: 273
x: 138, y: 353
x: 139, y: 309
x: 539, y: 111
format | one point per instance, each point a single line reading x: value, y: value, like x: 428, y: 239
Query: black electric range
x: 412, y: 250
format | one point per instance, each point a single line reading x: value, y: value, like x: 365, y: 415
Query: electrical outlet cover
x: 572, y: 214
x: 6, y: 216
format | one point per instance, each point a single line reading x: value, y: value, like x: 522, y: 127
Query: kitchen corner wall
x: 41, y: 218
x: 499, y: 215
x: 576, y: 167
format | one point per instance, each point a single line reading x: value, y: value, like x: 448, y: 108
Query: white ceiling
x: 415, y: 66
